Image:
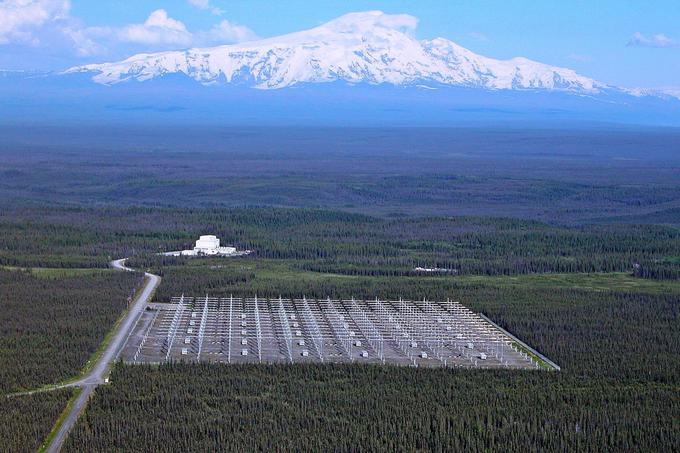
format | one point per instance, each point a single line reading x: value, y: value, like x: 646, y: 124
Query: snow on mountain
x: 370, y: 47
x: 672, y: 92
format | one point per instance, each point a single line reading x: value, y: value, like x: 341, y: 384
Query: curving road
x: 99, y: 372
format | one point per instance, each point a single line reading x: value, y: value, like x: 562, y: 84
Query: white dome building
x: 208, y: 245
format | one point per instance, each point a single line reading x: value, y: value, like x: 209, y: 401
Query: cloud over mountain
x: 159, y: 28
x: 19, y: 19
x: 369, y: 47
x: 49, y: 24
x: 206, y: 5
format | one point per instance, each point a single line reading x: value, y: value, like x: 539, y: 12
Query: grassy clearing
x: 541, y: 363
x: 57, y: 272
x: 283, y: 270
x: 274, y: 278
x: 615, y: 281
x: 672, y: 260
x: 273, y: 271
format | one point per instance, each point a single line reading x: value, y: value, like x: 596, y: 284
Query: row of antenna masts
x: 404, y: 327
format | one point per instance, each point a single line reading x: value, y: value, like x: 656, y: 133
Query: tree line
x: 338, y: 242
x: 617, y: 391
x: 51, y: 326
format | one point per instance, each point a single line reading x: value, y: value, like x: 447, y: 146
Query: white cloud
x: 48, y: 27
x: 20, y: 19
x: 370, y: 19
x: 658, y: 40
x: 205, y: 5
x: 159, y: 28
x: 83, y: 39
x: 403, y: 22
x: 224, y: 33
x: 159, y: 31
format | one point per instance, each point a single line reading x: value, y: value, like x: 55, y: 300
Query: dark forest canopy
x: 568, y: 238
x: 557, y: 175
x: 50, y: 327
x: 616, y: 391
x: 336, y: 242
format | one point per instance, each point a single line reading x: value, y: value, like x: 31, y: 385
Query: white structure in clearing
x: 440, y: 270
x: 208, y: 245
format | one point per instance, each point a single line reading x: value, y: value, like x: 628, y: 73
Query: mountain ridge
x: 360, y: 69
x: 370, y: 47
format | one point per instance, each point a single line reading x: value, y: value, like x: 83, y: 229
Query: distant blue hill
x: 175, y: 98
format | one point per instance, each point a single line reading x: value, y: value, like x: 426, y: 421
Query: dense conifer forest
x: 50, y: 326
x: 600, y: 300
x: 336, y: 242
x: 51, y: 323
x: 568, y: 239
x: 25, y: 421
x: 617, y: 391
x: 559, y: 175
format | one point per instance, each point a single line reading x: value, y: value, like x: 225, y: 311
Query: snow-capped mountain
x: 361, y: 69
x: 658, y: 92
x: 369, y: 47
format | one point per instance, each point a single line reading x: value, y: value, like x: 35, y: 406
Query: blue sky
x: 629, y: 43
